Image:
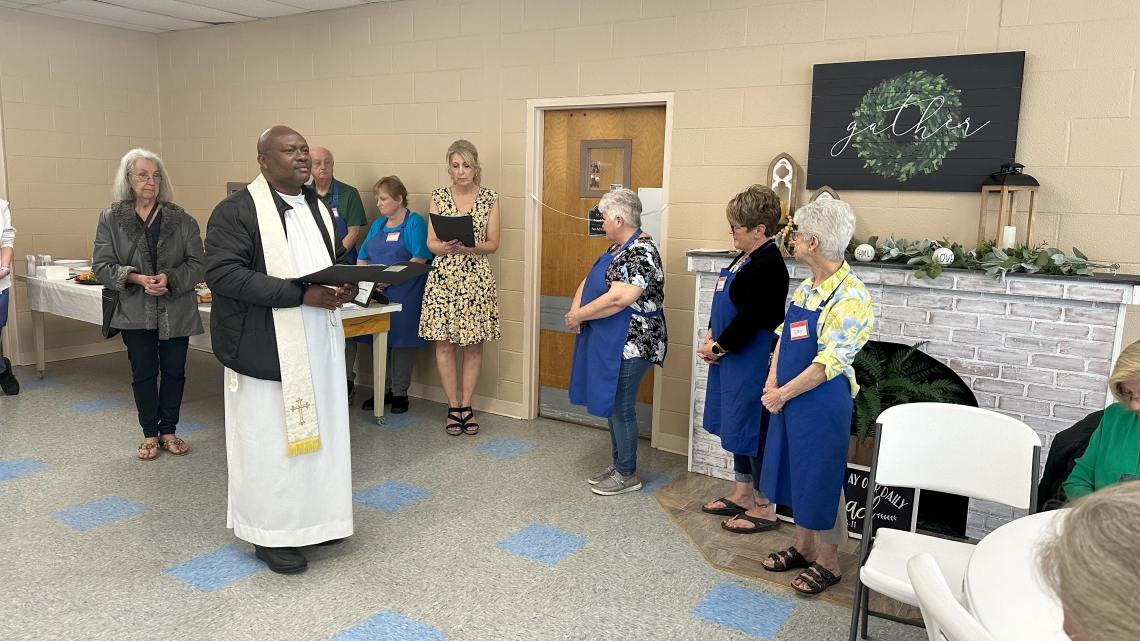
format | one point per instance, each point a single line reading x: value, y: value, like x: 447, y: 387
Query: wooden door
x: 568, y: 251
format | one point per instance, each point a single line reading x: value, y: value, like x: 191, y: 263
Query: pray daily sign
x: 919, y: 124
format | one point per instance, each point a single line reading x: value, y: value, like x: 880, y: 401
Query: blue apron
x: 598, y: 346
x: 386, y: 247
x: 732, y: 394
x: 805, y: 457
x: 341, y: 226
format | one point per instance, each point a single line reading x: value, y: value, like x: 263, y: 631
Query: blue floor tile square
x: 28, y: 385
x: 390, y: 626
x: 189, y: 427
x: 396, y: 421
x: 98, y: 512
x: 390, y: 496
x: 17, y: 467
x: 216, y: 569
x: 504, y: 447
x: 742, y: 609
x: 542, y: 543
x: 652, y: 481
x: 97, y: 404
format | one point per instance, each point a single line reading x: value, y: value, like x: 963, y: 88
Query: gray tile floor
x: 434, y: 561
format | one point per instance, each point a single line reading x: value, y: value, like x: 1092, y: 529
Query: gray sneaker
x: 615, y: 484
x: 601, y: 476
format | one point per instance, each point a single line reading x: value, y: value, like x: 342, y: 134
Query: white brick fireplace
x: 1036, y: 348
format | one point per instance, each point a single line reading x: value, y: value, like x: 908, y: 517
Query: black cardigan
x: 760, y: 294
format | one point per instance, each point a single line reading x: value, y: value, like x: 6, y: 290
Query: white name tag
x: 798, y: 330
x: 720, y: 283
x: 393, y: 236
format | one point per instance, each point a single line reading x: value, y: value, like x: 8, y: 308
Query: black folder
x: 394, y: 274
x: 448, y: 228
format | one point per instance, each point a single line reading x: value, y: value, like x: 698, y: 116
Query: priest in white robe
x: 282, y: 344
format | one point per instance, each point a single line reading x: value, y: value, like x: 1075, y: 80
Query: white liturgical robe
x: 276, y: 500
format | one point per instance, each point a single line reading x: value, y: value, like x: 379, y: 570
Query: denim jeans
x: 623, y: 423
x: 158, y: 406
x: 747, y: 468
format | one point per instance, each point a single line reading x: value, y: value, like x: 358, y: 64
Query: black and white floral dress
x: 640, y: 265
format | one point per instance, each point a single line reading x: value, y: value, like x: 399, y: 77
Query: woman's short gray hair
x: 831, y: 222
x: 121, y: 190
x: 624, y: 203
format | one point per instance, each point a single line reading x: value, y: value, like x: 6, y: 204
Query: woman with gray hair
x: 150, y: 251
x: 621, y: 334
x: 809, y: 392
x: 1092, y: 563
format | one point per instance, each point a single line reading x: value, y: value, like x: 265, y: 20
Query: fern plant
x: 900, y: 378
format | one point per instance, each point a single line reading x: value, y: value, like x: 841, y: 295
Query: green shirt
x: 349, y: 205
x: 1114, y: 449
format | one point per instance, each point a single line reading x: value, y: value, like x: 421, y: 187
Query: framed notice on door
x: 919, y: 124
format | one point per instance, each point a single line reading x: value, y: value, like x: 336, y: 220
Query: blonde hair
x: 1126, y: 370
x: 1093, y: 562
x: 469, y: 154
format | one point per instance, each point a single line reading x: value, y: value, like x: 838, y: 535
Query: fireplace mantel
x: 1035, y: 347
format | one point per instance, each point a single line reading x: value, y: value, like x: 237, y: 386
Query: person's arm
x: 352, y: 211
x: 760, y: 293
x: 181, y: 278
x: 437, y: 246
x: 619, y: 296
x: 1082, y: 480
x: 362, y: 255
x: 231, y: 247
x: 491, y: 245
x: 104, y: 261
x: 7, y: 240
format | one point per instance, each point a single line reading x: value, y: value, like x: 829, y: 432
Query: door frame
x: 532, y: 253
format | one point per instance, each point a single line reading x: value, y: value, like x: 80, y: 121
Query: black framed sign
x: 916, y: 124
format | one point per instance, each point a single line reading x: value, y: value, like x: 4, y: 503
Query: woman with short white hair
x: 621, y: 334
x: 1092, y: 563
x: 810, y: 391
x: 149, y: 250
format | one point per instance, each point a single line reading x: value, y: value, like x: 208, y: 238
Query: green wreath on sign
x: 901, y: 155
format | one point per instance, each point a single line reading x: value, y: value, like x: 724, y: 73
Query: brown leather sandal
x: 147, y: 447
x: 174, y: 442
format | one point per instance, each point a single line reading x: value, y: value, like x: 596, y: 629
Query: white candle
x: 1009, y: 237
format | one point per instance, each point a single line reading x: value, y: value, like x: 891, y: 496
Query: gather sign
x: 923, y: 124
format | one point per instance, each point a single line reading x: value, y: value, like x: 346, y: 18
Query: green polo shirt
x: 1114, y: 449
x: 349, y: 205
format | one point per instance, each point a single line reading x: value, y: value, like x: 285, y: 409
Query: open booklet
x: 448, y: 228
x: 366, y: 276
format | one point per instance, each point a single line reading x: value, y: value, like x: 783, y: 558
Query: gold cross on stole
x: 300, y: 408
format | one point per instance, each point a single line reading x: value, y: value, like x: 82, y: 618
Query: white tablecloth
x: 1003, y: 588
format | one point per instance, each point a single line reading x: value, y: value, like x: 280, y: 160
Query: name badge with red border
x: 393, y: 236
x: 720, y: 283
x: 798, y: 330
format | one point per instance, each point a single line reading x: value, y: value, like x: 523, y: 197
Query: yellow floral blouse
x: 845, y: 324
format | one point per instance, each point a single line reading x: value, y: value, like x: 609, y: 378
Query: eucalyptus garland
x: 882, y: 150
x: 995, y: 261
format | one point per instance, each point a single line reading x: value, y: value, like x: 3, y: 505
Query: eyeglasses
x: 144, y: 177
x: 793, y: 232
x: 732, y: 228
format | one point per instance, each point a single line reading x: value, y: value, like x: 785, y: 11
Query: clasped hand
x: 573, y: 320
x: 773, y: 398
x: 329, y: 297
x: 704, y: 352
x: 152, y: 285
x: 457, y: 247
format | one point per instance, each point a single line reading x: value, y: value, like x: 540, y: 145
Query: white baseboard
x: 75, y: 351
x: 481, y: 403
x: 672, y: 443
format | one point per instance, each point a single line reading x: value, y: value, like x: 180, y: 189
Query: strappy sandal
x: 817, y: 578
x: 758, y: 524
x: 455, y: 426
x: 171, y: 443
x: 785, y: 560
x: 470, y: 426
x: 147, y: 447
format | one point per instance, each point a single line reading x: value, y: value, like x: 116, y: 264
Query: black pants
x: 158, y: 405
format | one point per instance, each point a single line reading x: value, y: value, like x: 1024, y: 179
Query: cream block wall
x: 388, y: 86
x: 76, y: 96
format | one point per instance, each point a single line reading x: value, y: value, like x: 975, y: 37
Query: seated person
x: 1113, y: 454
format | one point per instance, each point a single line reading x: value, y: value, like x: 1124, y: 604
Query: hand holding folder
x: 448, y: 228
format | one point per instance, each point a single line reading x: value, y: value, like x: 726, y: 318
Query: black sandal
x: 470, y: 426
x: 817, y: 578
x: 758, y: 524
x: 785, y: 560
x: 455, y: 427
x: 729, y: 509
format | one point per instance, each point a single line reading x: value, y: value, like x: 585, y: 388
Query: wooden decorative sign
x: 918, y: 124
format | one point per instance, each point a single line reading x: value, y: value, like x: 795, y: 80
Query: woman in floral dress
x: 461, y: 305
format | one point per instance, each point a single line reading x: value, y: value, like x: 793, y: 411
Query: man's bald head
x: 322, y: 168
x: 283, y: 155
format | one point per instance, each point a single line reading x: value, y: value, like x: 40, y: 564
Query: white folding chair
x: 945, y: 448
x: 942, y: 613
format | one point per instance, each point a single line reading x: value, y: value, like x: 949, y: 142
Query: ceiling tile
x: 104, y: 11
x: 255, y: 8
x: 184, y: 10
x: 110, y: 23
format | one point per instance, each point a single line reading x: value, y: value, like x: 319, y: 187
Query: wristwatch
x: 716, y: 349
